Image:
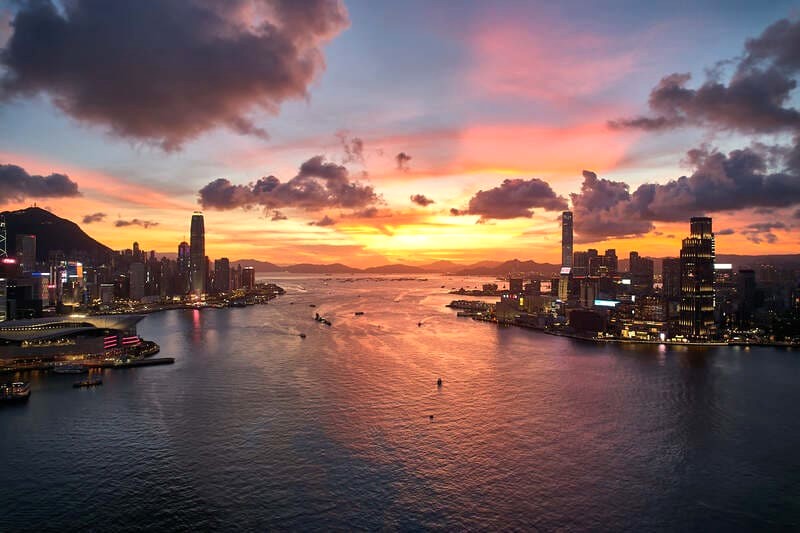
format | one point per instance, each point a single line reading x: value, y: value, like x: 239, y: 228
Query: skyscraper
x: 696, y: 311
x: 26, y: 252
x: 248, y: 277
x: 671, y: 278
x: 137, y: 279
x: 184, y: 268
x: 197, y: 254
x: 222, y: 275
x: 566, y: 239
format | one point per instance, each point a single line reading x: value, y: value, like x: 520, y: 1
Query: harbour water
x: 256, y: 428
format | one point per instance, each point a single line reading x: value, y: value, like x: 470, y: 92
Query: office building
x: 515, y: 285
x: 184, y: 268
x: 137, y: 281
x: 222, y: 275
x: 197, y: 255
x: 566, y: 239
x: 580, y: 264
x: 610, y: 262
x: 671, y: 278
x: 696, y: 309
x: 26, y: 252
x: 641, y: 274
x: 248, y: 277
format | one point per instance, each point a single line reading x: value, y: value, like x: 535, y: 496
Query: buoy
x: 439, y: 382
x: 431, y: 417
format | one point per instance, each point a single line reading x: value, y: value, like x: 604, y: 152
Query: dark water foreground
x: 256, y: 428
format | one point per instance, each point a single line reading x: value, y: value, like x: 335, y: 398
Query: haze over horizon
x: 357, y: 133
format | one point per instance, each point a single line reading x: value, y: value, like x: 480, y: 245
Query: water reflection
x: 256, y: 427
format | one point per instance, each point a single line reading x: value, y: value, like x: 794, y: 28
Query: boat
x: 359, y: 313
x: 88, y: 382
x: 302, y: 335
x: 312, y: 305
x: 18, y: 391
x: 70, y: 368
x: 439, y: 382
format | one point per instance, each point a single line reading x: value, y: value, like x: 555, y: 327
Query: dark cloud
x: 603, y: 208
x: 754, y: 100
x: 353, y: 148
x: 170, y: 70
x: 421, y: 199
x: 317, y: 185
x: 727, y: 231
x: 796, y: 214
x: 94, y: 217
x: 277, y: 215
x: 759, y: 232
x: 402, y: 159
x: 512, y: 199
x: 17, y: 185
x: 325, y: 221
x: 738, y: 180
x: 135, y: 222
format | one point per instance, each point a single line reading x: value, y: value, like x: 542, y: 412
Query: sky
x: 370, y: 132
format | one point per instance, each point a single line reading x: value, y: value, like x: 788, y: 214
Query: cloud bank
x: 167, y: 71
x: 16, y: 185
x: 317, y: 185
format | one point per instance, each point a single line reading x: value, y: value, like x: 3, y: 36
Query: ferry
x: 18, y: 391
x: 70, y: 369
x: 88, y: 382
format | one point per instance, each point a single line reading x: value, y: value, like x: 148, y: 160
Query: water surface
x: 257, y: 428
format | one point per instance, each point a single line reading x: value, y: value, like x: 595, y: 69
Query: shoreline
x: 598, y: 340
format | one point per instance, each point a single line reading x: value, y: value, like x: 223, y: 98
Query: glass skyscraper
x: 197, y: 253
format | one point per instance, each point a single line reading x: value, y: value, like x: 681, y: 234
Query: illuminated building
x: 563, y: 283
x: 696, y: 310
x: 184, y: 268
x: 197, y: 255
x: 566, y: 239
x: 61, y: 338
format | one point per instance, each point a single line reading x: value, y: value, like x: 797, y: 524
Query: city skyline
x: 414, y: 176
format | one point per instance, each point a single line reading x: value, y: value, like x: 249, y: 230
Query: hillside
x: 52, y: 233
x: 515, y: 266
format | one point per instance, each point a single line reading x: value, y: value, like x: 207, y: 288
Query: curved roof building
x: 62, y: 336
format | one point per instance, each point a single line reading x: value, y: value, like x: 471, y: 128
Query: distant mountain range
x: 483, y: 268
x: 52, y: 233
x: 55, y: 233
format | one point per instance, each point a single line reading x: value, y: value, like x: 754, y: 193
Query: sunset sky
x: 371, y: 133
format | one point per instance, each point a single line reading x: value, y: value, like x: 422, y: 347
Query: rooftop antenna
x: 3, y: 240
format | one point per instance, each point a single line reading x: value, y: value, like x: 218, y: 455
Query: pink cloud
x: 543, y: 64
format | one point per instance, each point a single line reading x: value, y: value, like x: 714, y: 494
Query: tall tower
x: 3, y: 240
x: 696, y: 310
x: 566, y: 239
x: 184, y: 268
x: 197, y: 253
